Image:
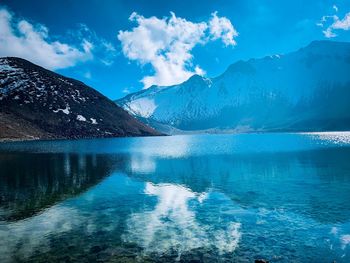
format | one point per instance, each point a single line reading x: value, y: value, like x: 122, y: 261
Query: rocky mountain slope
x: 306, y: 90
x: 36, y: 103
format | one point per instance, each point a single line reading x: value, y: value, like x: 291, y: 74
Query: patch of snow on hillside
x: 93, y: 121
x: 4, y: 68
x: 8, y: 74
x: 81, y: 118
x: 143, y: 107
x: 65, y: 111
x: 65, y: 81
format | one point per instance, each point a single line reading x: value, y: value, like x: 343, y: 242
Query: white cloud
x: 21, y: 38
x: 342, y: 23
x: 335, y: 8
x: 328, y: 33
x: 221, y: 27
x: 104, y: 51
x: 166, y: 44
x: 336, y: 23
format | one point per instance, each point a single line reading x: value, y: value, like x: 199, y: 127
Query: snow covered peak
x: 274, y: 92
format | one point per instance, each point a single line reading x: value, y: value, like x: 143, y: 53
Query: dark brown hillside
x: 36, y: 103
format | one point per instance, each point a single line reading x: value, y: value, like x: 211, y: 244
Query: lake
x: 192, y: 198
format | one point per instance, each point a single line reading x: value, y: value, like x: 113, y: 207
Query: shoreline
x: 11, y: 140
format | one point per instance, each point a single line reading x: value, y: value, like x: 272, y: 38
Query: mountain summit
x: 306, y: 90
x: 36, y: 103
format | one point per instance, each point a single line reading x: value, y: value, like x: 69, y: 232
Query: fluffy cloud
x: 336, y: 24
x: 104, y: 51
x: 335, y: 8
x: 166, y: 44
x: 22, y: 39
x: 221, y: 27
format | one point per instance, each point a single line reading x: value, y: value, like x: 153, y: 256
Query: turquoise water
x: 195, y: 198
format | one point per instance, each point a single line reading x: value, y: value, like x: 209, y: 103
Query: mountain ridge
x: 48, y: 105
x: 288, y: 92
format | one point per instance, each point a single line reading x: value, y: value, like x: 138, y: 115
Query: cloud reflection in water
x: 24, y: 237
x: 172, y: 225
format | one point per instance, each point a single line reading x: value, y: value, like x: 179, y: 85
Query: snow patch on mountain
x: 65, y: 110
x: 93, y: 121
x: 5, y: 67
x: 143, y: 107
x: 81, y: 118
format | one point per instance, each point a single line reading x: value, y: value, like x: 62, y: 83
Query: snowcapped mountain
x: 306, y: 90
x: 38, y: 103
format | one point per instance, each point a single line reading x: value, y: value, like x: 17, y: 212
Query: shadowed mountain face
x: 36, y: 103
x: 307, y: 90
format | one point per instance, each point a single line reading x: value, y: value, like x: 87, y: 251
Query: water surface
x: 198, y: 198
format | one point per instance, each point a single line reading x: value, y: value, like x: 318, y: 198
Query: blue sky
x: 102, y: 44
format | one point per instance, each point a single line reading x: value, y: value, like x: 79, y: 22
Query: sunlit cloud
x: 167, y: 43
x: 332, y: 23
x: 335, y: 8
x: 221, y: 28
x: 21, y: 38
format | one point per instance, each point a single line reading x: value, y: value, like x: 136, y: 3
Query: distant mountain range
x: 36, y: 103
x: 306, y: 90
